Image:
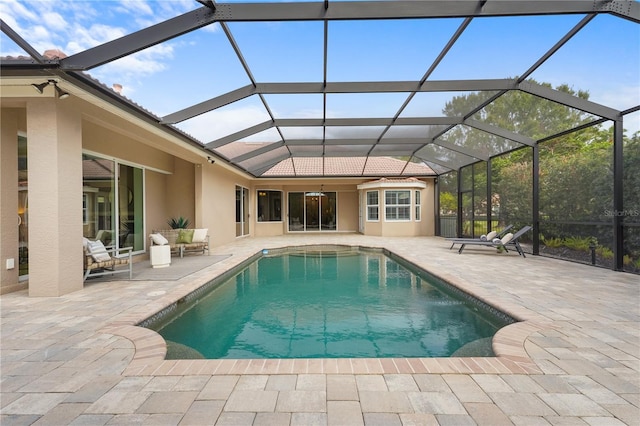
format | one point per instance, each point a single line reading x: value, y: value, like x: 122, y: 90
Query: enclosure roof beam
x: 402, y: 9
x: 139, y: 40
x: 499, y: 131
x: 569, y: 100
x: 256, y: 152
x: 337, y: 87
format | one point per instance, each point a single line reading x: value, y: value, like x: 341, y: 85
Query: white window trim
x: 366, y: 196
x: 417, y: 206
x: 410, y: 205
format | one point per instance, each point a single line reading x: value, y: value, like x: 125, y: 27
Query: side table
x: 160, y: 256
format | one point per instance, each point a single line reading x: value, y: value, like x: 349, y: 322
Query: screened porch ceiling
x: 335, y: 88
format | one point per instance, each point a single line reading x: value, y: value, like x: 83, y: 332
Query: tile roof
x: 347, y: 166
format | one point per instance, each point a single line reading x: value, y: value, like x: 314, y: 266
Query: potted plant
x: 178, y: 223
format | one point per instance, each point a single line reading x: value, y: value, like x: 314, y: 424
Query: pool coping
x: 150, y: 348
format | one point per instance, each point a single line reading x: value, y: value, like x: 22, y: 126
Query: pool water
x: 328, y: 304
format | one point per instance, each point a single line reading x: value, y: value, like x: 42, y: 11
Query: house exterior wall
x: 178, y: 181
x: 217, y: 199
x: 54, y: 145
x: 405, y: 228
x: 180, y: 191
x: 108, y: 141
x: 156, y: 201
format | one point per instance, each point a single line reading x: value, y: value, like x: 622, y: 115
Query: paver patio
x: 574, y: 358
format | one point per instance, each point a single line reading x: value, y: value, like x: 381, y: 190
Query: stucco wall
x: 424, y: 227
x: 180, y: 191
x: 110, y: 143
x: 156, y: 205
x: 218, y: 203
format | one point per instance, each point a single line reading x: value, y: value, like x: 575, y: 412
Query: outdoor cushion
x: 199, y: 235
x: 506, y: 238
x: 98, y: 251
x: 491, y: 235
x: 483, y: 237
x: 185, y: 236
x: 159, y: 239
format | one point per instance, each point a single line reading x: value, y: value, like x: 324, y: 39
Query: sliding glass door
x: 130, y: 207
x: 113, y: 213
x: 312, y: 211
x: 23, y: 210
x: 242, y: 211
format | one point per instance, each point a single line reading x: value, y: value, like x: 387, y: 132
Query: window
x: 269, y: 206
x: 397, y: 205
x: 85, y: 210
x: 373, y: 206
x: 417, y: 206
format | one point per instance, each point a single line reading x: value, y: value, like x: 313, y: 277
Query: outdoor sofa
x: 181, y: 241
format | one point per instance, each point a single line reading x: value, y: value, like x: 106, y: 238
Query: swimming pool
x: 328, y: 302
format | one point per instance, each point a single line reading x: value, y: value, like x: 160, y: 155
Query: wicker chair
x: 107, y: 261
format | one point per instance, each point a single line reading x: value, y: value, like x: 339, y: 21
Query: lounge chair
x: 508, y: 240
x: 489, y: 237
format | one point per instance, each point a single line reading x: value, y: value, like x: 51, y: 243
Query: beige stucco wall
x: 218, y: 193
x: 54, y: 147
x: 169, y: 180
x: 112, y: 144
x: 156, y: 206
x: 424, y: 227
x: 180, y: 191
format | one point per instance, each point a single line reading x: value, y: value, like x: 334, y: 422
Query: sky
x: 603, y: 59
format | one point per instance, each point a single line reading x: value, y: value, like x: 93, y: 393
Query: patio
x: 76, y: 359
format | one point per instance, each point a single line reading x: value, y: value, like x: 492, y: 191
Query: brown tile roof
x: 347, y: 166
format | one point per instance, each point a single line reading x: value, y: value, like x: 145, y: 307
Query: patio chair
x: 489, y: 237
x: 100, y: 260
x: 508, y: 240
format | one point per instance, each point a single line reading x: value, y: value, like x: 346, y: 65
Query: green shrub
x: 626, y: 260
x: 604, y: 252
x: 552, y: 242
x: 578, y: 243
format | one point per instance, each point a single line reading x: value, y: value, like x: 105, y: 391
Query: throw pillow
x: 507, y: 238
x: 200, y: 235
x: 98, y: 251
x: 159, y: 239
x: 185, y: 236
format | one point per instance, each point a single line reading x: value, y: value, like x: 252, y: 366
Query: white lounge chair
x: 489, y: 237
x: 508, y: 240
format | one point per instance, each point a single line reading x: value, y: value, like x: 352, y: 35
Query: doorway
x: 242, y: 211
x: 312, y: 211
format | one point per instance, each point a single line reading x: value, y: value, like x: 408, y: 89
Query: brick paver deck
x: 573, y: 359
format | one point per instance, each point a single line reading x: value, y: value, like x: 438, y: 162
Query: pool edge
x: 150, y: 348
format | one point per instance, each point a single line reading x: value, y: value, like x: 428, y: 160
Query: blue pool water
x: 328, y: 304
